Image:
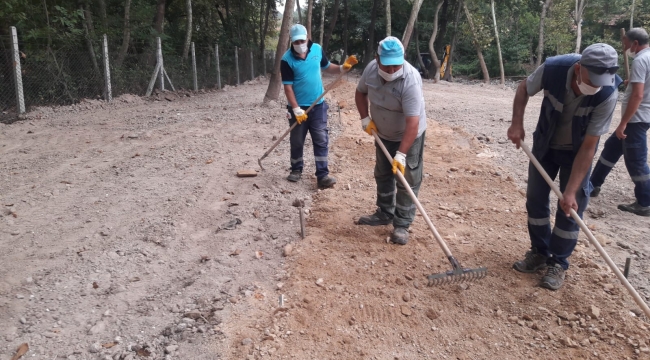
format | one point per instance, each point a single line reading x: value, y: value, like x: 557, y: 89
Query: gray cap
x: 601, y: 60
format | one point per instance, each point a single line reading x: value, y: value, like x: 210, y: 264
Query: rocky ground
x: 126, y: 234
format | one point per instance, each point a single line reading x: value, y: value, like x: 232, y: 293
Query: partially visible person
x: 630, y: 138
x: 301, y: 76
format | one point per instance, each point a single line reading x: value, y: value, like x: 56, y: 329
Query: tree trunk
x: 322, y: 21
x: 188, y: 32
x: 126, y: 37
x: 479, y: 53
x: 388, y: 20
x: 435, y: 62
x: 47, y: 18
x: 540, y: 43
x: 579, y: 10
x: 406, y: 37
x: 448, y: 76
x: 496, y: 36
x: 346, y: 31
x: 102, y: 14
x: 159, y: 19
x: 87, y: 25
x: 310, y: 9
x: 335, y: 16
x: 265, y: 29
x: 370, y: 46
x: 275, y: 84
x: 444, y: 21
x: 300, y: 14
x: 632, y: 15
x: 425, y: 71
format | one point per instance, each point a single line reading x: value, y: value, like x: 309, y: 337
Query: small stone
x: 288, y: 249
x: 406, y: 311
x: 602, y: 239
x: 513, y: 319
x: 623, y: 245
x: 233, y: 300
x: 644, y: 349
x: 406, y: 297
x: 320, y: 282
x: 247, y: 341
x: 416, y: 284
x: 170, y: 349
x: 593, y: 339
x: 246, y: 173
x: 408, y: 277
x: 280, y: 285
x: 594, y: 312
x: 608, y: 287
x: 193, y: 315
x: 432, y: 314
x: 620, y: 336
x: 463, y: 286
x: 99, y: 327
x: 23, y: 320
x: 585, y: 342
x: 94, y: 348
x: 527, y: 317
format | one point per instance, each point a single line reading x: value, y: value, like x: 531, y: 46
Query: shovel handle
x: 401, y: 178
x: 590, y: 236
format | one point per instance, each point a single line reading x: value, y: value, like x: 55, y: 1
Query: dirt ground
x: 125, y: 234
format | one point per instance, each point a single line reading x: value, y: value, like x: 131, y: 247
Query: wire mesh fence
x: 65, y: 75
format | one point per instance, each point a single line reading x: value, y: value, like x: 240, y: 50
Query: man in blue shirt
x: 301, y: 77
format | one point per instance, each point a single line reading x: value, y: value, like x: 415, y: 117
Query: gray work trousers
x: 392, y: 197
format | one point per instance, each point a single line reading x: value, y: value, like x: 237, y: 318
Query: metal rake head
x: 457, y: 276
x: 259, y: 161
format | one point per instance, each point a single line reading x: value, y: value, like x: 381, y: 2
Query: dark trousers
x: 316, y: 125
x: 634, y: 149
x: 557, y: 244
x: 392, y: 197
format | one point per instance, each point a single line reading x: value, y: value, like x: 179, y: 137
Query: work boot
x: 554, y: 277
x: 294, y: 176
x: 635, y: 208
x: 595, y: 192
x: 326, y: 182
x: 376, y: 219
x: 400, y: 236
x: 531, y: 263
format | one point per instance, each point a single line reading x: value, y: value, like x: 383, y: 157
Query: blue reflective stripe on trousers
x: 316, y: 125
x: 634, y: 149
x: 559, y: 243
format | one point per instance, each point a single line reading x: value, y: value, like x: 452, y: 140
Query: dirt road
x: 125, y: 234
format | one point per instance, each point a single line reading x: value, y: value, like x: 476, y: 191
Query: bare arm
x: 516, y: 132
x: 361, y: 100
x: 291, y: 97
x: 632, y: 106
x: 581, y: 165
x: 410, y: 133
x: 333, y: 69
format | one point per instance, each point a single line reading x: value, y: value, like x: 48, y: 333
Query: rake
x: 457, y: 274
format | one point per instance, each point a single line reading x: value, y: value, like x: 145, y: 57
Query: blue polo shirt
x: 304, y: 74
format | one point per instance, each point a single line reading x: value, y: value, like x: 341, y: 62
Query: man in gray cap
x: 580, y: 93
x: 630, y: 139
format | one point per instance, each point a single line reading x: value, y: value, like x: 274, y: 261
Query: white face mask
x: 630, y: 53
x: 586, y: 89
x: 300, y: 48
x: 390, y: 77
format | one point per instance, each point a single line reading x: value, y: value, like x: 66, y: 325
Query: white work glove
x: 300, y: 115
x: 368, y: 125
x: 399, y: 161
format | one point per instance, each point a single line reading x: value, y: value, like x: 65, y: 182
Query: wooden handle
x: 401, y: 178
x: 590, y: 236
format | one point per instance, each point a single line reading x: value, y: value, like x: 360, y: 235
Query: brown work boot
x: 531, y: 263
x: 326, y: 182
x: 377, y: 219
x: 400, y: 236
x: 554, y: 277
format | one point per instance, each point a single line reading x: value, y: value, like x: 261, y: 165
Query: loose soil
x: 126, y: 234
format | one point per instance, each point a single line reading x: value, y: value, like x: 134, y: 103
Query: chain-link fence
x: 61, y: 76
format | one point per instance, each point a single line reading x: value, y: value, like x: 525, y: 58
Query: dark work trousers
x: 392, y: 197
x: 634, y: 149
x: 559, y: 243
x: 316, y: 125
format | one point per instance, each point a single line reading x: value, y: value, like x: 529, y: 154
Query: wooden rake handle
x: 590, y: 236
x: 401, y: 178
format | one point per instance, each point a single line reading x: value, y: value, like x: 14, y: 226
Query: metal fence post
x: 252, y: 67
x: 108, y: 95
x: 18, y: 76
x: 194, y: 81
x: 216, y: 54
x: 237, y: 64
x: 159, y: 56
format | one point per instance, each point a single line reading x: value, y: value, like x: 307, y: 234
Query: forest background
x: 61, y: 40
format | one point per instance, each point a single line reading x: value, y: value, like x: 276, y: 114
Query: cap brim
x: 298, y: 37
x: 392, y: 60
x: 605, y: 79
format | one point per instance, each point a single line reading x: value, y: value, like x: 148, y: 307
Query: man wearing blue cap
x: 630, y: 139
x: 390, y: 90
x: 300, y: 69
x: 580, y: 93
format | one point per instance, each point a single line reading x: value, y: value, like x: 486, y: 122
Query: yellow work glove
x: 399, y: 161
x: 349, y: 63
x: 368, y: 125
x: 301, y: 116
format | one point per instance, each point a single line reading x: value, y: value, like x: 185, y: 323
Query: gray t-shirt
x: 640, y: 74
x: 391, y: 102
x: 601, y: 117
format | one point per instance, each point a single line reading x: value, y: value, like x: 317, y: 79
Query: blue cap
x: 391, y: 51
x: 298, y: 32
